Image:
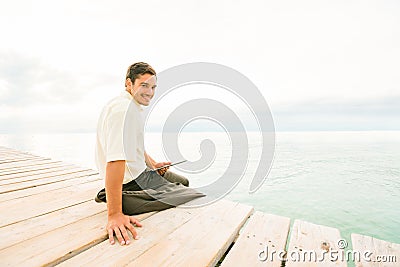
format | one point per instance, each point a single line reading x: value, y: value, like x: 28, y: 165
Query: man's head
x: 141, y: 82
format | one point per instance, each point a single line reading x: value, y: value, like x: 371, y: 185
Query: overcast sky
x: 321, y: 65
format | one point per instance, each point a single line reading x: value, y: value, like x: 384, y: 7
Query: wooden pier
x: 48, y: 217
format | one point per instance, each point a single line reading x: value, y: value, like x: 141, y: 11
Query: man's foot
x: 98, y: 200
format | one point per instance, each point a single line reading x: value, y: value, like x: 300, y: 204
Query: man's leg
x: 157, y: 194
x: 131, y: 186
x: 151, y: 192
x: 176, y: 178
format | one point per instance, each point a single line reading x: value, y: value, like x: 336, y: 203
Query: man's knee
x: 185, y: 182
x: 176, y: 178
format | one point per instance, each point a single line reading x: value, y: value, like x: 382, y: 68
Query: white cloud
x: 76, y: 52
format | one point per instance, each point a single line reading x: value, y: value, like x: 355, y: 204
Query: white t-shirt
x: 120, y: 136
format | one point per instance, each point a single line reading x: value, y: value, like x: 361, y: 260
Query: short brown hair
x: 137, y: 69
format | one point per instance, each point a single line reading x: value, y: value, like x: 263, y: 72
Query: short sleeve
x: 115, y: 147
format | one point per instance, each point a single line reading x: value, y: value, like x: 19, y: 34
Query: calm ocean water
x: 347, y: 180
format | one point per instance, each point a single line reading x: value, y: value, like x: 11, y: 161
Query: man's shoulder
x: 117, y: 104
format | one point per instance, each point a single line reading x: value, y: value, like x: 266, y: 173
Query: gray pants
x: 152, y: 192
x: 176, y: 178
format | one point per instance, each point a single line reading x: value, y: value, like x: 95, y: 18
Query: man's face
x: 143, y: 88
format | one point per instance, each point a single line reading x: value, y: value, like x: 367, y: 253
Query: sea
x: 347, y: 180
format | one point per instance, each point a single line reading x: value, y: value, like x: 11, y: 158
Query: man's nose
x: 152, y: 90
x: 149, y: 92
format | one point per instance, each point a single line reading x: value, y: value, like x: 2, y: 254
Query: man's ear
x: 128, y: 82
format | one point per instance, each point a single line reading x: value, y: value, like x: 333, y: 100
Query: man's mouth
x: 146, y: 97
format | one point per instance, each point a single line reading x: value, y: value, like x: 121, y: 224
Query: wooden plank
x: 13, y: 153
x: 262, y: 234
x: 199, y: 242
x: 7, y: 148
x: 77, y: 178
x: 35, y: 167
x: 39, y: 174
x: 10, y: 152
x: 5, y: 152
x: 36, y: 226
x: 20, y: 209
x: 375, y: 252
x: 2, y: 161
x: 155, y: 229
x: 21, y: 164
x: 59, y: 244
x: 38, y: 182
x: 14, y: 160
x: 310, y: 243
x: 17, y: 154
x: 49, y: 165
x: 31, y: 162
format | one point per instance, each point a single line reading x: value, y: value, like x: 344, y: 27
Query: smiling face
x: 143, y: 88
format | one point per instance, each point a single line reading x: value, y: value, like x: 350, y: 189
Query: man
x: 131, y: 185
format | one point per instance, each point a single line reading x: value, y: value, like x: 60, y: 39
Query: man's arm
x: 117, y: 221
x: 152, y: 164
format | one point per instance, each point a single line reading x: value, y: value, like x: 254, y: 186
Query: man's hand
x: 118, y: 224
x: 163, y: 170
